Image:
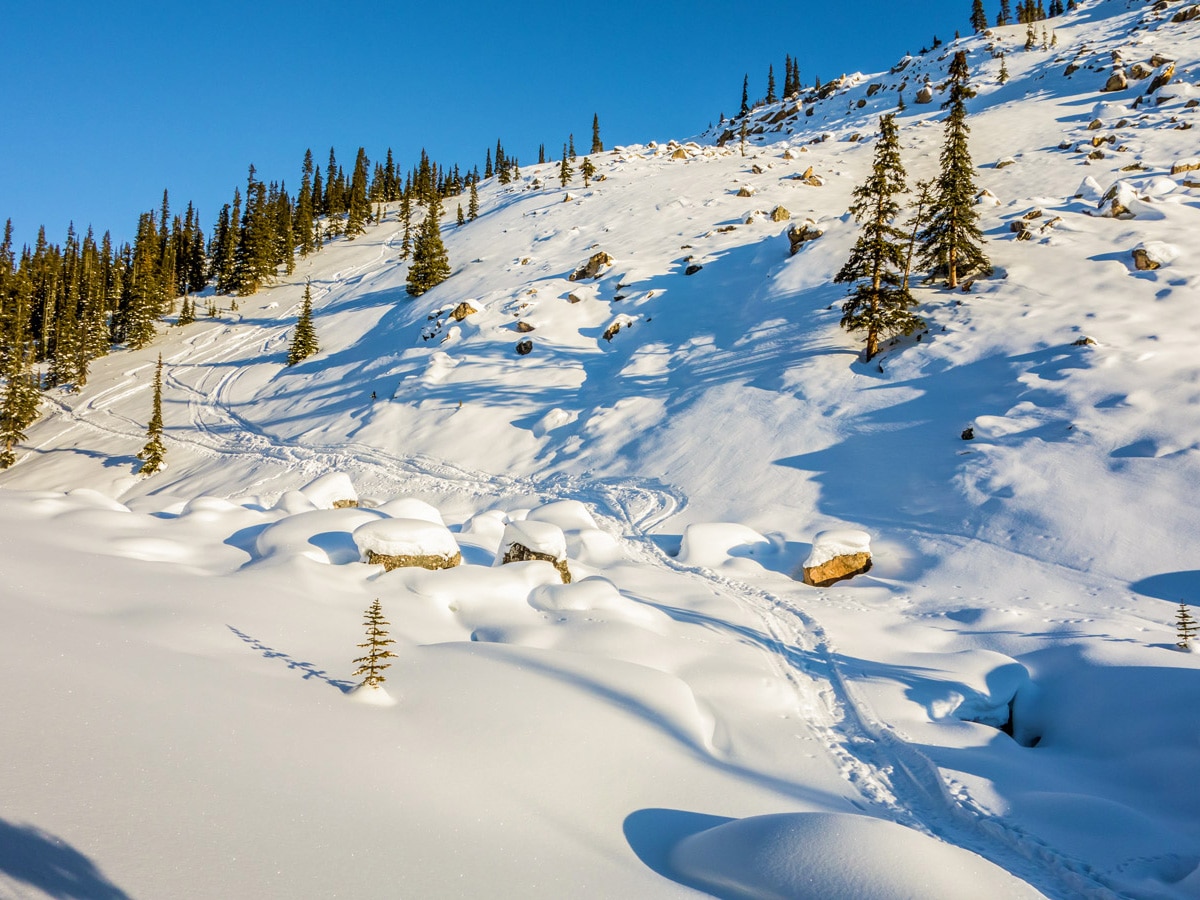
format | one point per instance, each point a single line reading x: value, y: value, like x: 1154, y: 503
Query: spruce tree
x: 880, y: 302
x: 951, y: 242
x: 1004, y: 17
x: 473, y: 203
x: 1185, y: 626
x: 565, y: 171
x: 359, y: 203
x: 430, y: 265
x: 571, y: 146
x: 304, y: 338
x: 1002, y: 77
x: 376, y: 645
x: 771, y: 98
x: 587, y: 170
x: 406, y: 218
x: 19, y: 401
x: 979, y: 20
x: 745, y: 95
x: 597, y: 144
x: 460, y: 219
x: 154, y: 453
x: 187, y: 312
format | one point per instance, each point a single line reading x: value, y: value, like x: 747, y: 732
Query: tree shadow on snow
x: 49, y: 865
x: 308, y: 669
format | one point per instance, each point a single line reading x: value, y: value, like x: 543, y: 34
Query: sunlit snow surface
x: 999, y: 701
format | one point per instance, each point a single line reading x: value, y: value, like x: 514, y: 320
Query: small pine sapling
x: 154, y: 453
x: 565, y: 170
x: 587, y: 170
x: 376, y: 645
x: 304, y: 338
x: 1185, y: 627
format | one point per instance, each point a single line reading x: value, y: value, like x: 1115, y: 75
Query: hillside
x: 1003, y: 683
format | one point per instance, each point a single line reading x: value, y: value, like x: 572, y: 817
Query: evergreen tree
x: 406, y: 219
x: 460, y: 219
x: 564, y: 170
x: 376, y: 645
x: 254, y: 258
x: 541, y: 154
x: 571, y: 146
x: 304, y: 338
x: 950, y: 243
x: 597, y: 144
x: 154, y: 453
x: 430, y: 265
x: 1004, y: 17
x: 187, y: 312
x: 1185, y: 625
x: 359, y: 204
x: 979, y: 20
x: 1002, y: 77
x: 487, y: 166
x: 587, y: 170
x: 771, y: 98
x: 880, y: 302
x: 745, y: 96
x: 473, y: 203
x: 302, y: 228
x: 19, y: 401
x: 142, y: 297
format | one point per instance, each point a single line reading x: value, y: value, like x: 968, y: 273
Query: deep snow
x: 177, y: 648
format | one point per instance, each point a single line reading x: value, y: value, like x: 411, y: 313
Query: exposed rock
x: 799, y: 235
x: 524, y: 327
x: 520, y: 553
x: 423, y: 561
x: 574, y: 298
x: 525, y: 347
x: 780, y: 214
x: 611, y: 331
x: 757, y: 169
x: 1186, y: 14
x: 1165, y: 73
x: 1095, y: 124
x: 680, y: 153
x: 463, y: 310
x: 345, y: 504
x: 725, y: 229
x: 968, y: 433
x: 1159, y: 60
x: 837, y: 555
x: 1116, y: 81
x: 533, y: 540
x: 1006, y: 162
x: 692, y: 269
x: 746, y: 191
x: 925, y: 94
x: 1143, y: 261
x: 1071, y: 69
x: 1139, y: 71
x: 861, y: 103
x: 592, y: 267
x: 874, y: 88
x: 1190, y: 164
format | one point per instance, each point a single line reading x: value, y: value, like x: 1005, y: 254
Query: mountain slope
x: 1056, y: 542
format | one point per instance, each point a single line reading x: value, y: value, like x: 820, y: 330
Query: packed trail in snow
x: 644, y: 379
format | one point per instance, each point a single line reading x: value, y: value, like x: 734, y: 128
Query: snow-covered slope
x: 177, y: 649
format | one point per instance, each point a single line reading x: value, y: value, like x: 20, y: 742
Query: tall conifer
x: 951, y: 242
x: 304, y: 338
x: 154, y: 453
x: 430, y: 264
x: 597, y: 144
x: 880, y: 302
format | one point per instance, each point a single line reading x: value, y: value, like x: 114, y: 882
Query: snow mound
x: 711, y: 544
x: 329, y: 489
x: 569, y: 515
x: 372, y: 696
x: 293, y: 502
x: 826, y: 856
x: 540, y: 537
x: 322, y: 535
x: 412, y: 508
x: 828, y: 545
x: 590, y: 593
x: 405, y: 537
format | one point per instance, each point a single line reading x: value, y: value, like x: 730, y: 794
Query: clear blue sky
x: 107, y: 104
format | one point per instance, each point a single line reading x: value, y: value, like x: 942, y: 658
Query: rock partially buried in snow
x: 398, y: 543
x: 837, y: 555
x: 799, y: 235
x: 592, y: 267
x: 837, y: 855
x: 331, y: 491
x: 532, y: 540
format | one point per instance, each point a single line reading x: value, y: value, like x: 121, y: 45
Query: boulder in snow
x: 333, y: 490
x: 799, y: 235
x: 1190, y: 164
x: 592, y: 267
x: 463, y: 310
x: 1116, y: 81
x: 530, y: 539
x: 396, y: 543
x: 837, y: 555
x: 780, y: 214
x: 925, y: 94
x: 525, y: 347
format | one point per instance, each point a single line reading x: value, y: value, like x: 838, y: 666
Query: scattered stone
x: 780, y: 214
x: 757, y: 169
x: 574, y: 298
x: 524, y: 327
x: 1071, y: 69
x: 837, y: 555
x: 525, y: 347
x: 692, y: 269
x: 680, y: 153
x: 1190, y: 164
x: 1083, y: 342
x: 925, y: 94
x: 592, y: 267
x: 1165, y: 73
x: 968, y: 433
x: 1139, y: 71
x: 746, y: 191
x: 1006, y: 162
x: 1186, y: 14
x: 861, y: 103
x: 799, y: 235
x: 1116, y: 81
x: 725, y: 229
x: 463, y: 310
x: 611, y: 331
x: 1095, y: 124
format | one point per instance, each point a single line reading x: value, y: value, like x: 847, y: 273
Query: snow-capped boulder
x: 534, y: 540
x: 569, y: 515
x: 395, y: 543
x: 837, y: 555
x: 925, y: 94
x: 1153, y: 255
x: 1116, y: 81
x: 333, y: 490
x: 799, y: 235
x: 593, y: 266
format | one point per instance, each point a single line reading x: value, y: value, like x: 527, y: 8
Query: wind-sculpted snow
x: 1002, y: 684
